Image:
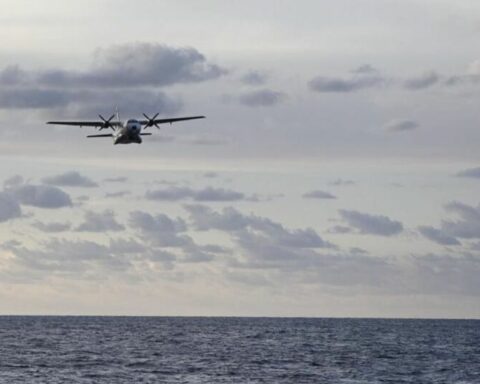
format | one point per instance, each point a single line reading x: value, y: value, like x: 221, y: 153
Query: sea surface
x: 237, y: 350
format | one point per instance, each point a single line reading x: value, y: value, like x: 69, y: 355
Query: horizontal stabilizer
x: 145, y: 134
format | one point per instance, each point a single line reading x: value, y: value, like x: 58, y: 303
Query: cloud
x: 341, y: 182
x: 472, y: 173
x: 231, y: 220
x: 208, y: 194
x: 88, y: 102
x: 317, y: 194
x: 100, y: 222
x: 12, y: 75
x: 53, y: 227
x: 423, y: 81
x: 254, y: 78
x: 160, y: 230
x: 340, y: 229
x: 401, y: 125
x: 210, y: 175
x: 117, y: 194
x: 120, y: 179
x: 13, y: 181
x: 438, y: 236
x: 137, y: 64
x: 9, y: 207
x: 41, y: 196
x: 77, y: 259
x: 34, y: 98
x: 371, y: 224
x: 217, y: 194
x: 261, y: 98
x: 468, y: 227
x: 365, y: 69
x: 132, y: 103
x: 70, y: 179
x: 126, y: 246
x: 141, y: 67
x: 363, y: 78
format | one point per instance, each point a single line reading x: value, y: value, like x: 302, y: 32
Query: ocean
x: 36, y: 349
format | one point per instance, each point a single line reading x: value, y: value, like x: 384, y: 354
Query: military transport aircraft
x: 126, y: 132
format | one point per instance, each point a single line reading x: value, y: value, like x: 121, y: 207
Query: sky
x: 337, y: 173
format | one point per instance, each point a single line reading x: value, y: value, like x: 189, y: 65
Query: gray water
x: 237, y: 350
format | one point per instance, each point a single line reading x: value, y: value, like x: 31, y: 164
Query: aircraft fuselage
x: 130, y: 132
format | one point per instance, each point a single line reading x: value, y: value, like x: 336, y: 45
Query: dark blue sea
x: 237, y: 350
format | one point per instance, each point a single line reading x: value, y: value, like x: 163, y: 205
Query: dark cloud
x: 137, y: 64
x: 86, y: 93
x: 401, y: 125
x: 120, y: 179
x: 364, y: 79
x: 117, y: 194
x: 13, y: 181
x: 472, y: 172
x: 68, y: 258
x: 437, y: 236
x: 262, y: 98
x: 9, y: 207
x: 194, y: 254
x: 423, y: 81
x: 83, y: 103
x: 53, y: 227
x: 317, y: 194
x: 12, y: 75
x: 41, y: 196
x: 70, y: 179
x: 35, y: 98
x: 100, y: 222
x: 132, y: 102
x: 170, y: 194
x: 254, y: 78
x: 468, y: 226
x: 209, y: 194
x: 160, y: 229
x: 205, y: 218
x: 210, y: 175
x: 340, y: 229
x: 469, y: 79
x: 126, y: 246
x: 231, y: 220
x: 341, y: 182
x: 365, y: 69
x: 217, y: 194
x: 371, y: 224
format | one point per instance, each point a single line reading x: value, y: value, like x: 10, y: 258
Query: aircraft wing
x: 172, y: 120
x: 103, y: 135
x: 83, y: 123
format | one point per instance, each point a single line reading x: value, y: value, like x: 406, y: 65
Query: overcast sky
x: 337, y: 172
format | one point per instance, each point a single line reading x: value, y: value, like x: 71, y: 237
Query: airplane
x: 126, y: 132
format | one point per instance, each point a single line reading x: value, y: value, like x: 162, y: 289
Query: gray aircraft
x: 126, y: 132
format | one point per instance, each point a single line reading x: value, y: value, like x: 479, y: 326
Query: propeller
x: 106, y: 122
x: 151, y: 121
